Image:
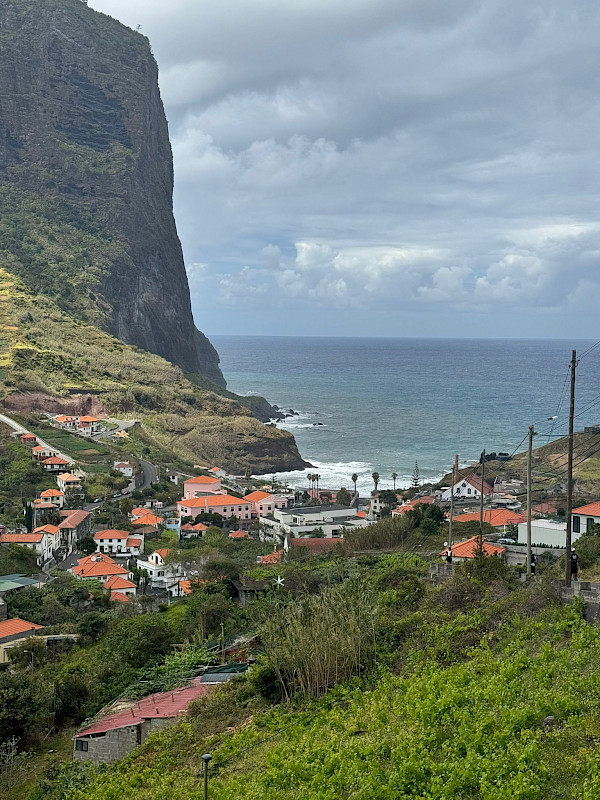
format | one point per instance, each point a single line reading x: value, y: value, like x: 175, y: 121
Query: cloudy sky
x: 384, y: 167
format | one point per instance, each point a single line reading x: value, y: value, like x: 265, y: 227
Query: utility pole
x: 454, y: 471
x: 574, y: 363
x: 205, y: 760
x: 529, y: 460
x: 482, y: 462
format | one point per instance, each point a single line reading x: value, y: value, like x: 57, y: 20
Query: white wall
x: 545, y: 531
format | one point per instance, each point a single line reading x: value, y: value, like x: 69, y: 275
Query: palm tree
x: 394, y: 476
x: 375, y: 477
x: 317, y: 478
x: 311, y: 479
x: 354, y: 479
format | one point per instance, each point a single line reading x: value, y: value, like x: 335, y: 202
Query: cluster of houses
x: 84, y: 425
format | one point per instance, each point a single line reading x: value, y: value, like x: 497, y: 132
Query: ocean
x: 382, y: 405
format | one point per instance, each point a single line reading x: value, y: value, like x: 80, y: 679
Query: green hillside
x: 46, y: 352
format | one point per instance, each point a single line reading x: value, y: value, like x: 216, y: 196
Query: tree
x: 394, y: 477
x: 354, y: 479
x: 388, y: 498
x: 87, y: 546
x: 343, y: 497
x: 416, y: 476
x: 375, y: 477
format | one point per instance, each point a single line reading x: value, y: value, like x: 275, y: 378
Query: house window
x: 81, y: 745
x: 590, y: 522
x: 468, y: 491
x: 576, y: 524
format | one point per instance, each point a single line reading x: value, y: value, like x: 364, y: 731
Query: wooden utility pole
x: 482, y: 461
x: 454, y: 472
x: 570, y: 472
x: 529, y: 460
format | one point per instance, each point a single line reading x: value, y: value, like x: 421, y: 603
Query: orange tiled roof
x: 88, y: 419
x: 73, y: 518
x: 40, y: 449
x: 11, y: 627
x: 213, y: 500
x: 21, y: 538
x: 52, y: 529
x: 271, y: 558
x: 119, y: 597
x: 202, y: 479
x: 162, y: 552
x: 54, y: 460
x: 591, y: 510
x: 239, y: 535
x: 68, y: 477
x: 256, y: 497
x: 147, y: 519
x: 186, y: 586
x: 468, y: 548
x: 496, y: 517
x: 52, y: 493
x: 97, y: 564
x: 119, y: 582
x: 111, y: 533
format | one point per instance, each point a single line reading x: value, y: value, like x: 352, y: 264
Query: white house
x: 586, y: 516
x: 124, y: 467
x: 331, y: 519
x: 160, y: 575
x: 546, y: 532
x: 54, y: 496
x: 41, y: 542
x: 117, y: 542
x: 468, y: 488
x: 69, y: 483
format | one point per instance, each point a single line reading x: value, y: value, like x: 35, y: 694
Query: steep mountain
x: 51, y: 361
x: 86, y: 178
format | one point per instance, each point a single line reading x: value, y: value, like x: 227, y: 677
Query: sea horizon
x: 367, y: 404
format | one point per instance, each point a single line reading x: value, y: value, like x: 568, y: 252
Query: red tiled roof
x: 73, y: 518
x: 468, y: 548
x: 202, y: 479
x: 55, y: 460
x: 21, y: 538
x: 186, y: 586
x: 213, y: 500
x: 119, y: 582
x: 39, y: 503
x: 111, y: 533
x: 271, y: 558
x: 256, y: 497
x: 97, y: 564
x: 315, y: 545
x: 68, y: 477
x: 157, y: 706
x: 147, y: 519
x: 52, y: 493
x: 199, y: 526
x: 475, y: 482
x: 52, y: 529
x: 133, y: 541
x: 215, y: 469
x: 89, y: 419
x: 40, y: 449
x: 162, y: 552
x: 591, y: 510
x: 361, y: 514
x: 496, y: 517
x: 239, y: 535
x: 11, y: 627
x: 119, y: 597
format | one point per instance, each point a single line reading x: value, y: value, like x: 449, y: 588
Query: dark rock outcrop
x: 86, y: 170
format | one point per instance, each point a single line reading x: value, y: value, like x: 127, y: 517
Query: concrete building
x: 160, y: 574
x: 54, y: 496
x: 547, y: 532
x: 40, y: 542
x: 13, y: 632
x: 112, y: 737
x: 75, y: 526
x: 69, y: 483
x: 124, y: 467
x: 331, y: 519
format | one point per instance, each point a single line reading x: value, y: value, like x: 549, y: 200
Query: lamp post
x: 205, y: 759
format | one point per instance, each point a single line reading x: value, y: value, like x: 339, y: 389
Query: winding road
x: 20, y: 429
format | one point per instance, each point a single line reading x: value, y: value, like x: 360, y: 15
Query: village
x: 148, y: 559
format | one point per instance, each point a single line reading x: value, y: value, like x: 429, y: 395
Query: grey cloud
x: 409, y: 153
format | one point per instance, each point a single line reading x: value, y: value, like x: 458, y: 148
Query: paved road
x: 148, y: 474
x: 122, y: 425
x: 20, y: 429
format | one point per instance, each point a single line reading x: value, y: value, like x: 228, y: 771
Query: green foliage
x: 20, y: 478
x: 343, y: 497
x: 321, y: 640
x: 387, y: 533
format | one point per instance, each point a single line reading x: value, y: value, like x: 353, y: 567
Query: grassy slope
x: 44, y: 349
x: 451, y: 725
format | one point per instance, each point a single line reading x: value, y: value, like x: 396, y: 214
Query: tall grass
x: 322, y: 640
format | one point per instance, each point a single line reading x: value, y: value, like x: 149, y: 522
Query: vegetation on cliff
x: 48, y: 351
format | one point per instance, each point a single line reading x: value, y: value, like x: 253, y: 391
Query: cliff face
x: 86, y: 178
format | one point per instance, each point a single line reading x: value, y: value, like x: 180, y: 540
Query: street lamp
x: 205, y: 759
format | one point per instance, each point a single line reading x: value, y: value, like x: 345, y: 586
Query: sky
x: 383, y: 167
